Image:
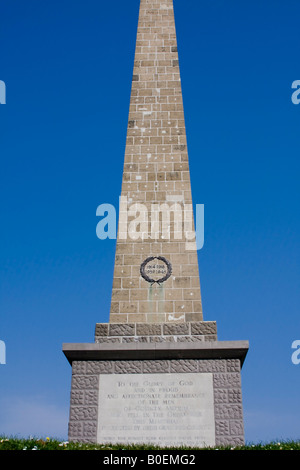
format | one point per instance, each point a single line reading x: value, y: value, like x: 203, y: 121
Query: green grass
x: 13, y: 443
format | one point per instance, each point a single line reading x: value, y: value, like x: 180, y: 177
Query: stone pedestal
x: 164, y: 384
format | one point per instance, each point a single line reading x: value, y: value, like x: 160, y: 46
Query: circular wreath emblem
x: 150, y: 269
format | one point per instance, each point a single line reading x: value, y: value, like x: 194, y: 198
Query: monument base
x: 163, y: 384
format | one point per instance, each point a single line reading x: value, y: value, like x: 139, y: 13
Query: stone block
x: 176, y: 329
x: 148, y: 329
x: 122, y: 329
x: 203, y: 328
x: 101, y: 329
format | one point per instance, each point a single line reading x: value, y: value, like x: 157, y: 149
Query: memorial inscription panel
x: 161, y: 409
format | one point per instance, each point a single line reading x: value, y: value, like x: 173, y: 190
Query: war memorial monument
x: 156, y: 372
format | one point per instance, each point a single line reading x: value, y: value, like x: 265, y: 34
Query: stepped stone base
x: 155, y: 332
x: 165, y: 384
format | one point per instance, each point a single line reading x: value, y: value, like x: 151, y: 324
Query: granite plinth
x: 99, y: 368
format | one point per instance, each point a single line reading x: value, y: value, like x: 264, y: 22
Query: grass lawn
x: 12, y: 443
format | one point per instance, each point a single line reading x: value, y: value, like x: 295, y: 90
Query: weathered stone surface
x: 215, y: 365
x: 91, y: 397
x: 184, y: 366
x: 84, y: 397
x: 99, y: 367
x: 233, y: 441
x: 89, y: 431
x: 135, y: 339
x: 108, y: 339
x: 203, y: 328
x: 176, y: 329
x: 148, y: 329
x: 231, y: 380
x: 221, y: 395
x: 233, y: 365
x: 156, y: 367
x: 234, y: 395
x: 210, y: 338
x: 222, y: 428
x: 75, y: 430
x: 228, y: 411
x: 77, y: 397
x: 84, y: 381
x: 157, y: 332
x: 121, y: 330
x: 78, y: 367
x: 83, y: 413
x: 101, y: 329
x: 128, y: 367
x: 162, y: 339
x: 236, y: 427
x: 189, y: 339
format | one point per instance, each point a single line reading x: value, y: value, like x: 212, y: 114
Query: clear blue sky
x: 67, y: 66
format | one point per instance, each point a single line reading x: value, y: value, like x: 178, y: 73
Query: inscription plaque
x: 161, y: 409
x: 156, y: 269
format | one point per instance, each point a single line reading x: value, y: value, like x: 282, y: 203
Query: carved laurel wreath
x: 149, y: 279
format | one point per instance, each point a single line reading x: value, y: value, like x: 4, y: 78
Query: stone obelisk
x: 156, y: 187
x: 156, y: 372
